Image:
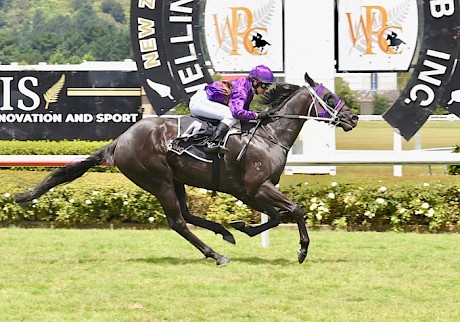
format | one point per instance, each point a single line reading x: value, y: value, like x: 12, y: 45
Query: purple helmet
x: 262, y: 73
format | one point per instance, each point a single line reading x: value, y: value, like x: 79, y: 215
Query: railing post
x: 418, y: 140
x: 397, y: 147
x: 265, y: 238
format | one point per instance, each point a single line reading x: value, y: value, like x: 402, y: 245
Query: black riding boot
x: 214, y: 143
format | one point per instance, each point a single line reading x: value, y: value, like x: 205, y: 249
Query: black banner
x: 436, y: 78
x: 168, y: 50
x: 56, y: 105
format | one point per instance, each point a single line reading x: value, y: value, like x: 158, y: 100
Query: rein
x: 302, y: 117
x: 322, y: 116
x: 328, y: 114
x: 245, y: 147
x: 272, y: 138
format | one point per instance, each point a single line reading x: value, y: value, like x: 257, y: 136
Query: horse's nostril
x: 355, y: 118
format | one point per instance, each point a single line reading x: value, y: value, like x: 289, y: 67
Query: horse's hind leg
x: 172, y: 211
x: 162, y: 188
x: 197, y: 221
x: 252, y: 231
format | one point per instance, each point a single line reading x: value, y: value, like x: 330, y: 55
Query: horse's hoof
x: 222, y: 261
x: 302, y: 254
x: 229, y: 238
x: 237, y: 224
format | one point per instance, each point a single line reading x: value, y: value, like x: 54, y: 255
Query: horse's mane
x: 276, y: 95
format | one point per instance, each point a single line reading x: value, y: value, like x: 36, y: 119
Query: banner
x: 56, y: 105
x: 436, y: 77
x: 241, y: 34
x: 178, y: 44
x: 376, y: 35
x: 168, y: 50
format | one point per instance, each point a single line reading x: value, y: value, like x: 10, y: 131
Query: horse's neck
x: 286, y: 130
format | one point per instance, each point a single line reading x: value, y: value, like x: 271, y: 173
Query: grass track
x: 106, y: 275
x: 378, y: 135
x: 125, y: 275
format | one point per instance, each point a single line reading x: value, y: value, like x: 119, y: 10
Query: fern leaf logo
x: 52, y: 95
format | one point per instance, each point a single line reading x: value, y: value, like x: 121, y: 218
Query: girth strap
x: 215, y: 173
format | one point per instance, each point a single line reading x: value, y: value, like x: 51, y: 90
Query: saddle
x: 194, y: 132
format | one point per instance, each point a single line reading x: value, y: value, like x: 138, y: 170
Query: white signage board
x: 241, y: 34
x: 376, y: 35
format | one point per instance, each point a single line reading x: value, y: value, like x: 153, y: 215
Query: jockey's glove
x: 263, y: 115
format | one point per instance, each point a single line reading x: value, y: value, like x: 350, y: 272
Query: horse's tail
x: 69, y: 173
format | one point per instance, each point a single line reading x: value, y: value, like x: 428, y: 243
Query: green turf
x: 124, y: 275
x: 378, y: 135
x: 107, y: 275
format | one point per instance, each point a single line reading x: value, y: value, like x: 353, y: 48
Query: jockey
x: 228, y: 101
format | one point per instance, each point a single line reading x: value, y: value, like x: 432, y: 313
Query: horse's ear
x: 308, y: 79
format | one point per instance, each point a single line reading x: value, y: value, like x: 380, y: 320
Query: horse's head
x: 329, y: 107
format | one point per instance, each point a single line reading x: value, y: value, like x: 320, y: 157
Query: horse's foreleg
x: 304, y: 239
x: 270, y: 195
x: 197, y: 221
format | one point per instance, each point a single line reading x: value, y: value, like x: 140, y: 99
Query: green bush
x: 435, y: 207
x: 73, y: 207
x: 44, y: 147
x: 455, y: 168
x: 380, y: 103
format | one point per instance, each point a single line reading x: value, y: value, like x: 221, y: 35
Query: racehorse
x: 141, y: 154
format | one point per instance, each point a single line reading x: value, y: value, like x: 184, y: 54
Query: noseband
x: 327, y: 113
x: 328, y: 110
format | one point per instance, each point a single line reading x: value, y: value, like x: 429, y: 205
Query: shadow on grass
x: 251, y: 260
x: 168, y: 260
x: 246, y: 260
x: 284, y: 261
x: 319, y: 260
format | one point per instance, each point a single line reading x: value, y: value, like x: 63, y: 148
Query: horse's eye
x: 330, y: 99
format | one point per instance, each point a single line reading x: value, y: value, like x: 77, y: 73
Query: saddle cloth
x: 193, y: 134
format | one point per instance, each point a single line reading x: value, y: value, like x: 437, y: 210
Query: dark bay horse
x: 141, y: 155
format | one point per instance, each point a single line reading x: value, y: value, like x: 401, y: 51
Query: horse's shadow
x: 181, y: 261
x: 246, y: 260
x: 168, y: 260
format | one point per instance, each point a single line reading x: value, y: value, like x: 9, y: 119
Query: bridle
x: 330, y: 109
x: 327, y: 114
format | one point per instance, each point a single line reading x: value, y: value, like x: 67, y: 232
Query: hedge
x: 434, y: 206
x: 455, y: 168
x: 45, y: 147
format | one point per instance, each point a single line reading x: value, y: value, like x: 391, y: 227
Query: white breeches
x: 200, y: 105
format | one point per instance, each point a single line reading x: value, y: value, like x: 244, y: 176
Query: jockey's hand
x: 263, y: 115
